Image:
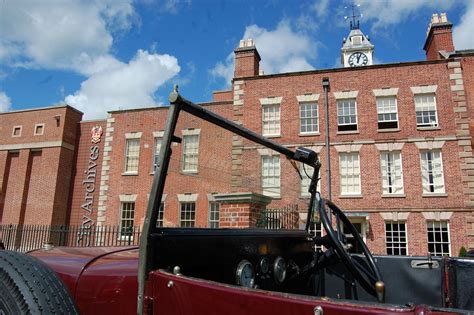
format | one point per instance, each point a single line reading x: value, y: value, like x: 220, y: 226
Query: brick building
x: 400, y: 150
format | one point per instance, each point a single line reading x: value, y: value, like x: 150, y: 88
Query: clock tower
x: 356, y: 50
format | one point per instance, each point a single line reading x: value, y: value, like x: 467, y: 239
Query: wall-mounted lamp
x: 58, y: 119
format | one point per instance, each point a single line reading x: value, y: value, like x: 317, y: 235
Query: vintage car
x: 188, y: 270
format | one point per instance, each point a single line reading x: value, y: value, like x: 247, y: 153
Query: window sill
x: 351, y: 132
x: 130, y: 174
x: 358, y: 196
x: 393, y: 196
x: 389, y: 130
x: 189, y: 172
x: 426, y: 195
x: 272, y: 136
x: 307, y: 134
x: 428, y: 128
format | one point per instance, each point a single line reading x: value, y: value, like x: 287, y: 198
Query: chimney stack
x: 439, y: 37
x: 247, y: 59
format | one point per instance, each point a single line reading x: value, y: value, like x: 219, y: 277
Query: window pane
x: 132, y: 152
x: 271, y: 175
x: 394, y: 240
x: 346, y: 115
x: 425, y: 105
x: 308, y: 117
x: 190, y: 152
x: 271, y: 119
x: 438, y: 238
x: 349, y: 173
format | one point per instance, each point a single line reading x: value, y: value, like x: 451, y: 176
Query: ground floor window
x: 127, y: 214
x: 360, y: 226
x: 161, y: 215
x: 187, y: 213
x: 396, y: 238
x: 438, y: 238
x: 213, y: 215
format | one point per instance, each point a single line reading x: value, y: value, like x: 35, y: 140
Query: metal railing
x: 283, y: 218
x: 24, y: 238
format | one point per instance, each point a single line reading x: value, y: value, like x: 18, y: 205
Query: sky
x: 102, y: 55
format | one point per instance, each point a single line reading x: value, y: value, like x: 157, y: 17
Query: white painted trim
x: 429, y: 145
x: 42, y: 130
x: 348, y: 148
x: 306, y: 98
x: 190, y: 132
x: 128, y: 198
x: 187, y: 197
x: 437, y: 216
x: 13, y: 131
x: 36, y: 145
x: 395, y: 216
x: 267, y: 152
x: 389, y: 146
x: 271, y: 100
x: 385, y: 92
x: 345, y: 94
x: 424, y: 89
x: 158, y: 134
x: 133, y: 135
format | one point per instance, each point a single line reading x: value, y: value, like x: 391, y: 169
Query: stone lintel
x: 243, y: 197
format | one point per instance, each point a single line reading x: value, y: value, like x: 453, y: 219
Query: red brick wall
x: 35, y: 170
x: 85, y: 151
x: 206, y: 181
x: 222, y: 96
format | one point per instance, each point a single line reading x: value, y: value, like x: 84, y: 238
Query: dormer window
x: 356, y: 40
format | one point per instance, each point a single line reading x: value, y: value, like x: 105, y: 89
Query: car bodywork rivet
x: 318, y: 310
x: 170, y: 284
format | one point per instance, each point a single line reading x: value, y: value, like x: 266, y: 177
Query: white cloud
x: 123, y: 86
x: 77, y: 35
x: 462, y: 33
x: 4, y: 102
x: 55, y: 34
x: 391, y: 12
x: 281, y: 50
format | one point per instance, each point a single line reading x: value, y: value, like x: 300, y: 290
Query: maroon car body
x: 104, y: 281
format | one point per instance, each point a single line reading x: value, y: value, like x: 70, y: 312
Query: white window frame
x: 127, y: 219
x: 130, y: 157
x: 36, y: 128
x: 428, y: 182
x: 396, y: 246
x: 271, y: 175
x: 385, y: 109
x: 271, y: 120
x: 304, y: 183
x: 352, y: 176
x: 186, y: 222
x: 160, y: 219
x: 423, y: 109
x: 157, y: 139
x: 213, y: 218
x: 388, y: 181
x: 313, y: 120
x: 190, y: 154
x: 432, y: 223
x: 20, y: 128
x: 341, y: 112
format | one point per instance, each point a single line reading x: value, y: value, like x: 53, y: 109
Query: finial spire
x: 353, y: 24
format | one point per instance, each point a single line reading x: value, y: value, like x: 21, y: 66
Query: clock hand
x: 358, y: 58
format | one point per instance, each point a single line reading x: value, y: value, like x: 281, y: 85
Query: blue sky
x: 109, y: 54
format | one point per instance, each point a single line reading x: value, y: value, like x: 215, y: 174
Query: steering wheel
x: 370, y: 280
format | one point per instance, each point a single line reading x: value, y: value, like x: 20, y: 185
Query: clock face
x: 358, y: 59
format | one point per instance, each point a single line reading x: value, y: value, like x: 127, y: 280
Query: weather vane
x: 353, y: 24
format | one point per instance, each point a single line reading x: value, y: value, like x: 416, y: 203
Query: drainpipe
x: 328, y: 156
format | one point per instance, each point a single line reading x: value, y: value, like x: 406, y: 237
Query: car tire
x: 28, y: 286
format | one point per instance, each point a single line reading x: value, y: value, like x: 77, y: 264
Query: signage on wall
x: 88, y: 182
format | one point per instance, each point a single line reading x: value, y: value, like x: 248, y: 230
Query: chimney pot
x: 242, y: 43
x: 444, y: 18
x: 249, y: 42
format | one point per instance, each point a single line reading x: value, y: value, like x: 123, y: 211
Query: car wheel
x: 28, y: 286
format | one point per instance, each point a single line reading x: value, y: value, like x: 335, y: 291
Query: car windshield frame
x: 178, y: 104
